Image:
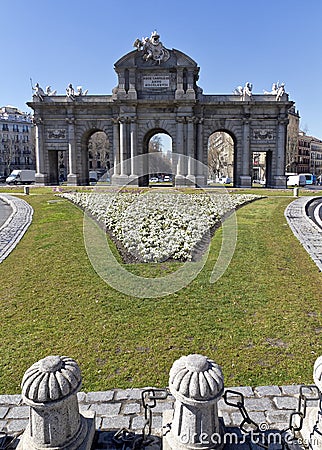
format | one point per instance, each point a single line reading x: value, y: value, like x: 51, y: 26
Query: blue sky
x: 57, y: 42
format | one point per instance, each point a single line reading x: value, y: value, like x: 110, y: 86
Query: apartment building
x: 16, y: 140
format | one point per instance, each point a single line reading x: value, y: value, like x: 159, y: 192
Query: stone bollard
x: 26, y: 190
x: 311, y: 431
x: 296, y: 192
x: 50, y: 388
x: 196, y: 383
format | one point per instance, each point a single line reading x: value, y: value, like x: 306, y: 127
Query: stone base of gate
x: 72, y: 180
x: 279, y: 182
x: 245, y: 181
x: 124, y: 180
x: 41, y: 179
x: 185, y: 181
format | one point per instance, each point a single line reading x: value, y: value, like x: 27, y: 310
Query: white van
x: 21, y: 176
x: 296, y: 180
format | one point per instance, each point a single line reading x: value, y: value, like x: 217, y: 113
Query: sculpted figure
x: 280, y: 92
x: 70, y: 91
x: 80, y: 91
x: 277, y: 89
x: 244, y: 92
x: 152, y: 48
x: 49, y: 91
x: 39, y: 92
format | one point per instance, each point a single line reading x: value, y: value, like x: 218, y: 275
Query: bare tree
x: 220, y: 154
x: 99, y: 150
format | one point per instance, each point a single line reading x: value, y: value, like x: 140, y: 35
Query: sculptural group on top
x: 245, y: 93
x: 70, y: 92
x: 152, y: 48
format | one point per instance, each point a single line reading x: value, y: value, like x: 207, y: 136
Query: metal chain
x: 302, y: 405
x: 8, y: 441
x: 126, y: 438
x: 297, y: 416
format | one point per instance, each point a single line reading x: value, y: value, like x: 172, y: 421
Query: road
x: 314, y: 211
x: 5, y: 211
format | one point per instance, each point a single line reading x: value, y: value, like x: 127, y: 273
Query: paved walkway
x: 307, y: 232
x: 16, y: 218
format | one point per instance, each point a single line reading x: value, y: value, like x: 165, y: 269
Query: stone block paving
x: 306, y: 231
x: 13, y: 229
x: 269, y: 406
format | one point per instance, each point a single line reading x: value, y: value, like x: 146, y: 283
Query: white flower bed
x: 156, y: 226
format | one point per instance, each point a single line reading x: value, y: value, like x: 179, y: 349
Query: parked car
x: 167, y: 178
x: 3, y: 178
x: 224, y: 180
x: 154, y: 180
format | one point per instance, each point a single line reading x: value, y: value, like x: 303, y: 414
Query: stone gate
x: 157, y: 92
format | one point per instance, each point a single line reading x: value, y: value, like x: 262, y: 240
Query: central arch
x: 157, y: 161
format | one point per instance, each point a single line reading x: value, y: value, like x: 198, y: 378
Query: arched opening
x: 98, y: 157
x: 221, y: 150
x: 261, y: 169
x: 157, y: 167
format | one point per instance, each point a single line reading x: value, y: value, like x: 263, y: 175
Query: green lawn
x: 261, y: 321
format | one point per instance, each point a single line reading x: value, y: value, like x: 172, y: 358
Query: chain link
x: 302, y: 405
x: 127, y: 439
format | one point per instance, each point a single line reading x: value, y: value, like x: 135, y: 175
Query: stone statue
x: 277, y: 89
x: 70, y: 92
x: 280, y: 92
x: 49, y: 92
x: 152, y: 48
x: 80, y: 91
x: 245, y: 92
x: 39, y: 92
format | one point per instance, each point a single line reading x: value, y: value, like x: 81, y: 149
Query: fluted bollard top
x: 196, y: 378
x: 51, y: 379
x: 317, y: 373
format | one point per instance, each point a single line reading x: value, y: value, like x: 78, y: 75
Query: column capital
x: 70, y: 120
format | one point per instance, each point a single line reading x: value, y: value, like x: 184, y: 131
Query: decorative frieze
x: 263, y: 135
x: 56, y: 133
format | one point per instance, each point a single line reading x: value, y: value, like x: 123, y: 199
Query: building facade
x: 157, y: 92
x: 16, y: 140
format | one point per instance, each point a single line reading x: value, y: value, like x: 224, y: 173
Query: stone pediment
x: 135, y: 59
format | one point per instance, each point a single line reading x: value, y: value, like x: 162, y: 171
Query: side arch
x: 83, y: 134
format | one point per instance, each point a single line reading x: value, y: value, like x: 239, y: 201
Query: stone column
x: 133, y: 151
x: 245, y: 179
x: 116, y: 146
x: 50, y: 389
x: 311, y: 431
x: 41, y: 177
x: 72, y: 170
x: 201, y: 177
x: 180, y: 179
x: 197, y: 384
x: 191, y: 150
x: 123, y: 150
x: 279, y: 178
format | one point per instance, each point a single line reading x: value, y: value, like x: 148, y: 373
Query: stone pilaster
x: 72, y: 178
